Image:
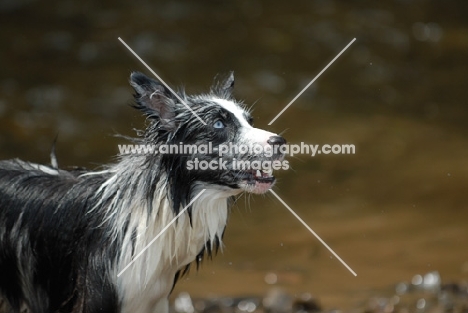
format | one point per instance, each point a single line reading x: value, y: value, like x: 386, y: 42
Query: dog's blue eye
x: 218, y: 124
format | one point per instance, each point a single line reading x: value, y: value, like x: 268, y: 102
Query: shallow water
x: 395, y: 209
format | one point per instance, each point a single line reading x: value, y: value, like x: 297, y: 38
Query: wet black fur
x: 63, y: 249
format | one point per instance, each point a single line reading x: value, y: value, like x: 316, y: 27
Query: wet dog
x: 66, y: 236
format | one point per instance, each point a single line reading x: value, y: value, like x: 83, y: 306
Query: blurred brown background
x: 395, y: 209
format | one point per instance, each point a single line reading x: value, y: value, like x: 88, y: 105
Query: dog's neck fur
x: 138, y: 221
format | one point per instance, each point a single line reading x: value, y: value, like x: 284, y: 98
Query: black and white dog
x: 66, y: 235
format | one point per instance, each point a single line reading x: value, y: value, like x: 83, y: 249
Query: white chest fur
x: 146, y: 284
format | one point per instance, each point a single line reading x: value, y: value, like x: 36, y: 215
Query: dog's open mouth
x: 261, y: 177
x: 257, y: 181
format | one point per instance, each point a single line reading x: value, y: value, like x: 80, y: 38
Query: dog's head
x: 233, y: 156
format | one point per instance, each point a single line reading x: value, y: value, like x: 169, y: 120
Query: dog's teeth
x: 268, y: 172
x: 259, y: 174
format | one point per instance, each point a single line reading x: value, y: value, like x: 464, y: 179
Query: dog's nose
x: 276, y: 141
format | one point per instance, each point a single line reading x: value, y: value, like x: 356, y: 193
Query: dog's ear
x: 224, y: 87
x: 228, y: 84
x: 153, y: 99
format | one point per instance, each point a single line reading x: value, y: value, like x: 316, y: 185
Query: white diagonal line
x: 311, y: 82
x: 160, y: 79
x: 160, y: 233
x: 313, y: 233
